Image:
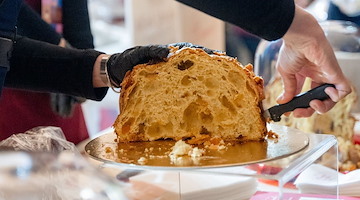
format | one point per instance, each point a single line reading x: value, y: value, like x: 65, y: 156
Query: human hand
x: 119, y: 63
x: 307, y: 53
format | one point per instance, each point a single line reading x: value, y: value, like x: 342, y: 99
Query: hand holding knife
x: 299, y: 101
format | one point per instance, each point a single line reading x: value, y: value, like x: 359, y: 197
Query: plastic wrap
x: 41, y: 165
x: 44, y: 139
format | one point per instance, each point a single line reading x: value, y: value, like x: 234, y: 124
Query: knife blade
x: 299, y: 101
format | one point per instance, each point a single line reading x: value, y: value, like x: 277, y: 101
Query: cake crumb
x: 196, y: 152
x: 180, y: 149
x: 142, y: 161
x: 184, y: 153
x: 216, y: 143
x: 222, y: 147
x: 108, y: 150
x: 272, y: 135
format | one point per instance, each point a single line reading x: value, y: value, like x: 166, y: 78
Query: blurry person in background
x: 303, y: 3
x: 60, y: 22
x: 347, y: 10
x: 240, y: 43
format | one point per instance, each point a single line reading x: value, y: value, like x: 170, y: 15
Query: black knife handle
x: 300, y: 101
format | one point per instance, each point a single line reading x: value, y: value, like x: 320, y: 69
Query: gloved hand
x: 119, y: 63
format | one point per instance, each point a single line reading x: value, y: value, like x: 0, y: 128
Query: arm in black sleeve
x: 76, y: 24
x: 31, y: 25
x: 269, y: 19
x: 41, y: 66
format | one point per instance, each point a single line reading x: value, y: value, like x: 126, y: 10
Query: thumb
x: 289, y: 89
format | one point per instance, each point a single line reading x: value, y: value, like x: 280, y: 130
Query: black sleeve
x: 269, y: 19
x: 31, y: 25
x: 44, y: 67
x: 9, y: 11
x: 76, y: 23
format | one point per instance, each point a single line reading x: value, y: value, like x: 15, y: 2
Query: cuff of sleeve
x: 284, y: 21
x: 99, y: 93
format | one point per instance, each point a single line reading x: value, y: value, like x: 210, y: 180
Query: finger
x: 338, y: 93
x: 289, y: 86
x: 287, y: 114
x: 158, y: 52
x: 332, y: 93
x: 332, y: 74
x: 322, y: 106
x: 144, y: 54
x: 303, y: 112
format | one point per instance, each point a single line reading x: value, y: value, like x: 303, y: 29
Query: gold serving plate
x: 155, y: 154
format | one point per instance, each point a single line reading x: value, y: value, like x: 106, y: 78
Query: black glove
x: 118, y: 64
x: 187, y: 44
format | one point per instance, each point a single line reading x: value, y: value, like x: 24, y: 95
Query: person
x: 344, y: 10
x: 305, y: 52
x: 240, y: 43
x: 40, y: 108
x: 44, y: 67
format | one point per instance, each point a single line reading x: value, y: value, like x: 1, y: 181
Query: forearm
x: 44, y: 67
x: 304, y: 27
x: 268, y: 19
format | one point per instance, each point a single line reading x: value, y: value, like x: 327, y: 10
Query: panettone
x: 192, y: 95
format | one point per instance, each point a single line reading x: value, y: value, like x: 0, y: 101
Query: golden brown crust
x: 196, y: 75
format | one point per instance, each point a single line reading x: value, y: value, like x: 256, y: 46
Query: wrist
x: 100, y: 76
x: 303, y: 29
x: 104, y: 76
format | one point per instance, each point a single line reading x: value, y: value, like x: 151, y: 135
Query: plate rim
x: 174, y: 167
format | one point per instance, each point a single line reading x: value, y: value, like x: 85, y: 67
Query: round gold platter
x: 155, y: 154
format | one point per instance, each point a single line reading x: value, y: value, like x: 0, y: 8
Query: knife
x: 299, y: 101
